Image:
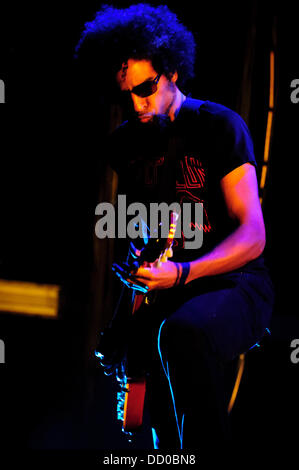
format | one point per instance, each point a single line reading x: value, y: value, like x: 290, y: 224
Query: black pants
x: 185, y: 340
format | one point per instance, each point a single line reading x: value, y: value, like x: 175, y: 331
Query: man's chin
x: 154, y: 120
x: 146, y: 118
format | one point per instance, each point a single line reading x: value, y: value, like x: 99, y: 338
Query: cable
x: 180, y: 431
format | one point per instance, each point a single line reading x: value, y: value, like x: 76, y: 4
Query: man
x: 215, y: 301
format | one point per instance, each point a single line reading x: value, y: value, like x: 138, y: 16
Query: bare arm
x: 240, y: 191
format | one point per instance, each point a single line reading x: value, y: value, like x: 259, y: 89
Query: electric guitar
x: 111, y: 349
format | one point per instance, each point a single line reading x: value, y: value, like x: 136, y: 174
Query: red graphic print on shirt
x: 191, y: 187
x: 151, y: 171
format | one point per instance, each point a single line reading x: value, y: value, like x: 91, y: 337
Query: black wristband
x: 178, y: 273
x: 184, y: 275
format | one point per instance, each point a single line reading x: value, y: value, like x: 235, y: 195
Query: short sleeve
x: 232, y: 142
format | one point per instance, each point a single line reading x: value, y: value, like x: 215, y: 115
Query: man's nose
x: 138, y: 103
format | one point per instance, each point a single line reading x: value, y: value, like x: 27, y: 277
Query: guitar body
x: 134, y: 404
x: 130, y: 398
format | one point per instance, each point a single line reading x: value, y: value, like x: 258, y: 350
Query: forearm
x: 242, y: 246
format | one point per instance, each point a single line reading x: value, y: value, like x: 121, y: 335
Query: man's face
x: 137, y: 72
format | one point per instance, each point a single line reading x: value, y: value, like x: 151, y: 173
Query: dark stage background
x: 53, y: 395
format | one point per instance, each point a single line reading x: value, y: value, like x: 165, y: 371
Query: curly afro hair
x: 140, y: 31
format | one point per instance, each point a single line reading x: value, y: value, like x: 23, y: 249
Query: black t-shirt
x: 184, y: 161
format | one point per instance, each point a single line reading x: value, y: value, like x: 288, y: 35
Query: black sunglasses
x: 147, y: 88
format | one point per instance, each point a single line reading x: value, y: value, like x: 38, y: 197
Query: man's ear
x: 174, y: 77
